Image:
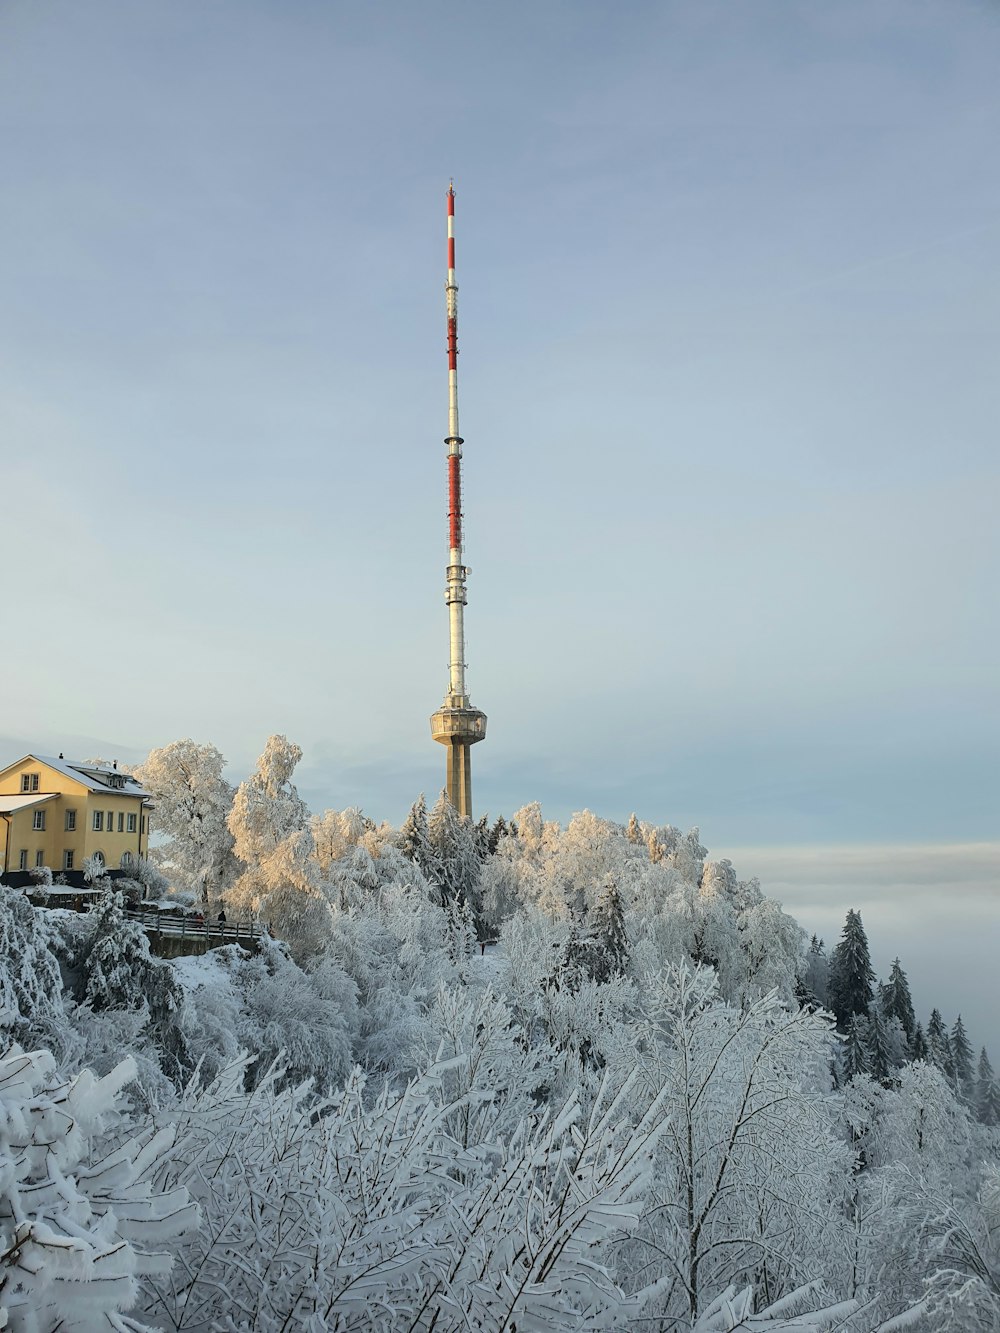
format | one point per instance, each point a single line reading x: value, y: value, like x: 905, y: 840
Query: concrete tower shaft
x: 456, y: 724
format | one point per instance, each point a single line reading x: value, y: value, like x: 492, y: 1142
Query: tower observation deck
x: 456, y: 724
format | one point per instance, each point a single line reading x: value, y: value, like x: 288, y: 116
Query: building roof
x: 8, y: 804
x: 95, y: 777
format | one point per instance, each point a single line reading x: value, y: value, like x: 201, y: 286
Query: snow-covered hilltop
x: 498, y: 1077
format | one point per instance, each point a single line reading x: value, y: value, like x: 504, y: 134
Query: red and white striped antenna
x: 456, y: 724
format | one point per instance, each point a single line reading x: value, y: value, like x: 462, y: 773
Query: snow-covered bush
x: 370, y: 1213
x: 78, y: 1227
x: 31, y: 999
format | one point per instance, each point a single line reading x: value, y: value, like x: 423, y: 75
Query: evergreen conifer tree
x: 609, y: 941
x: 455, y: 862
x: 987, y: 1092
x: 880, y: 1055
x: 633, y: 832
x: 963, y: 1061
x: 481, y: 831
x: 851, y: 974
x: 939, y: 1046
x: 918, y: 1047
x: 413, y: 841
x: 116, y: 958
x: 499, y: 830
x: 855, y: 1057
x: 897, y: 1001
x: 814, y: 983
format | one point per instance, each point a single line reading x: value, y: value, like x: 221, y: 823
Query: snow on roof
x: 95, y: 777
x: 8, y: 804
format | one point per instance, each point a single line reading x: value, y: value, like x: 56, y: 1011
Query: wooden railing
x: 184, y: 926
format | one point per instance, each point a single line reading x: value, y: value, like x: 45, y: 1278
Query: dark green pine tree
x: 987, y: 1092
x: 880, y: 1061
x: 498, y: 831
x: 481, y: 829
x: 963, y: 1061
x: 609, y: 939
x: 854, y: 1054
x: 851, y: 973
x: 896, y: 1000
x: 939, y: 1046
x: 918, y: 1047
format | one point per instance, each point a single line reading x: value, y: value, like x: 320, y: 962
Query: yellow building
x: 56, y: 813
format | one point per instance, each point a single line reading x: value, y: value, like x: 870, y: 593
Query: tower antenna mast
x: 456, y: 724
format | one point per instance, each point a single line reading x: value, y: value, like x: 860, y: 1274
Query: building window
x: 29, y: 781
x: 98, y: 860
x: 111, y: 821
x: 23, y: 862
x: 121, y: 821
x: 70, y: 820
x: 131, y: 823
x: 38, y: 819
x: 126, y: 861
x: 39, y: 858
x: 98, y: 821
x: 67, y: 860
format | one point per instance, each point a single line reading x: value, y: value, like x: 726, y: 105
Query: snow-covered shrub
x: 369, y: 1213
x: 960, y: 1249
x: 41, y: 883
x: 78, y: 1228
x: 307, y: 1020
x: 31, y: 1000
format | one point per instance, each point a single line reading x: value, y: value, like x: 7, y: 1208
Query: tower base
x: 459, y: 728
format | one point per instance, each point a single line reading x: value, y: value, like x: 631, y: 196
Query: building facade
x: 58, y: 813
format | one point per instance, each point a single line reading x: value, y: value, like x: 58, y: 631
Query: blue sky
x: 729, y: 320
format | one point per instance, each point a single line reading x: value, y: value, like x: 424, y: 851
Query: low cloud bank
x: 936, y: 905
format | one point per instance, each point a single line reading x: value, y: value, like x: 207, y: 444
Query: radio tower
x: 456, y: 723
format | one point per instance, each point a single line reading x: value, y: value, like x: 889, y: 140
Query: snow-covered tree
x: 851, y: 973
x: 960, y: 1250
x: 962, y: 1059
x: 609, y: 938
x: 918, y: 1047
x: 193, y: 801
x: 499, y: 890
x: 454, y: 865
x: 413, y: 841
x: 896, y: 1000
x: 281, y: 880
x: 855, y: 1054
x: 881, y: 1055
x: 815, y: 975
x: 31, y: 1000
x: 987, y: 1092
x: 939, y: 1046
x: 749, y: 1147
x: 115, y: 956
x: 336, y: 833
